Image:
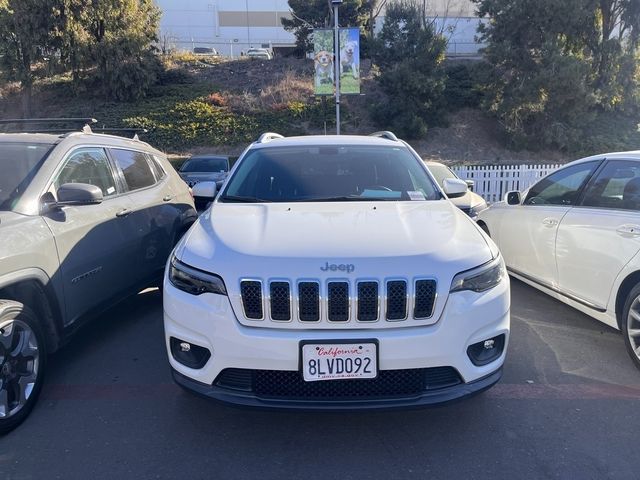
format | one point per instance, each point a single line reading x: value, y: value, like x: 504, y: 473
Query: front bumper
x: 424, y: 399
x: 208, y: 321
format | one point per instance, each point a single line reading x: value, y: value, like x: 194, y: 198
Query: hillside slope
x: 208, y: 105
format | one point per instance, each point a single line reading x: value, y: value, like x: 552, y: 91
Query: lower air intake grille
x: 252, y: 299
x: 290, y: 384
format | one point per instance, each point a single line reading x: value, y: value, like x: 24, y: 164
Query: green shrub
x: 466, y: 82
x: 410, y: 56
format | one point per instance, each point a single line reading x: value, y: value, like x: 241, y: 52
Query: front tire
x: 631, y: 324
x: 23, y: 362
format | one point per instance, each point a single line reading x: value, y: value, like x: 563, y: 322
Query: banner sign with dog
x: 349, y: 61
x: 324, y: 58
x: 323, y: 61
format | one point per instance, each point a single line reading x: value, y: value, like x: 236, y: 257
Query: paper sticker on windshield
x: 416, y: 195
x: 110, y: 190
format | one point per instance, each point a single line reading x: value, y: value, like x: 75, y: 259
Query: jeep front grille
x: 368, y: 301
x: 309, y: 301
x: 252, y: 299
x: 338, y: 301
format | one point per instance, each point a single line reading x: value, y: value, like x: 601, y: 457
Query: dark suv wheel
x: 22, y: 363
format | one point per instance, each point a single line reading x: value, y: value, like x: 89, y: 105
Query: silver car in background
x: 470, y: 203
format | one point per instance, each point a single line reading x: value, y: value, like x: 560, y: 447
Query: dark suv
x: 86, y: 219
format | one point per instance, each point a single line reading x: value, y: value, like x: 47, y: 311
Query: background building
x: 229, y: 26
x: 232, y: 26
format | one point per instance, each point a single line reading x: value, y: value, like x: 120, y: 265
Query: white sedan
x: 576, y: 236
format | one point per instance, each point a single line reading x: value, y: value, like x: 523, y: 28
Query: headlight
x: 193, y: 281
x: 481, y: 278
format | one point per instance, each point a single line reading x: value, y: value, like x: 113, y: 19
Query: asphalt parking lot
x: 568, y: 406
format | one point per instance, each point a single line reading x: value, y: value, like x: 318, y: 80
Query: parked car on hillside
x: 259, y: 53
x: 469, y: 202
x: 332, y: 272
x: 576, y: 236
x: 85, y: 220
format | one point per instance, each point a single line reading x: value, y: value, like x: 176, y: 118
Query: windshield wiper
x: 243, y: 199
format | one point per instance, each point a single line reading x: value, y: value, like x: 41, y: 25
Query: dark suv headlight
x: 481, y: 278
x: 194, y: 281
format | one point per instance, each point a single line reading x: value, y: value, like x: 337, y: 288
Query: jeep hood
x: 295, y: 239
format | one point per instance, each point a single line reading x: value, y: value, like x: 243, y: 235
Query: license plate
x: 335, y: 361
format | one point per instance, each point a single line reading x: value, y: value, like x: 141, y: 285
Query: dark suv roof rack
x: 65, y: 125
x: 385, y: 134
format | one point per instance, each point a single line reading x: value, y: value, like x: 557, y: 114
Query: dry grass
x: 286, y: 88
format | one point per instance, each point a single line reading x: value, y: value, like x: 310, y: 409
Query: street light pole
x: 248, y: 27
x: 336, y: 62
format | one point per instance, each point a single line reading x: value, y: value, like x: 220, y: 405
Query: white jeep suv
x: 333, y: 273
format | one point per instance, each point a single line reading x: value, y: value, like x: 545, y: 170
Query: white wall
x: 196, y: 23
x: 187, y: 24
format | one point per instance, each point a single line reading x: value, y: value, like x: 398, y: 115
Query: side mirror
x: 454, y: 187
x: 470, y: 184
x: 513, y: 198
x: 204, y: 190
x: 78, y: 194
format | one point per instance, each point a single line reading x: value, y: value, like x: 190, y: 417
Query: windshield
x: 19, y: 162
x: 205, y: 165
x: 329, y: 173
x: 440, y: 172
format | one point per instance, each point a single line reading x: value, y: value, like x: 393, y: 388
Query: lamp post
x: 336, y: 63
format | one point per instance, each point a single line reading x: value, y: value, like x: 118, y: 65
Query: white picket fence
x: 493, y: 181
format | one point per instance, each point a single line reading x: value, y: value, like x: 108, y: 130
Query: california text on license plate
x: 334, y: 361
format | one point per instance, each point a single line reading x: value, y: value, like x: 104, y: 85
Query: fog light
x: 188, y: 354
x: 487, y: 351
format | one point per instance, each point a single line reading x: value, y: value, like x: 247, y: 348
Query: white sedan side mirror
x: 204, y: 190
x: 513, y: 198
x: 454, y: 187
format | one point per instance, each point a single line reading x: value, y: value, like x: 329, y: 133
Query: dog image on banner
x: 323, y: 61
x: 349, y: 61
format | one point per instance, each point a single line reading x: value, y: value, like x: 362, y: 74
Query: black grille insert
x: 396, y: 300
x: 309, y: 301
x: 367, y: 301
x: 338, y: 301
x: 280, y: 298
x: 251, y: 292
x: 425, y: 297
x: 291, y: 385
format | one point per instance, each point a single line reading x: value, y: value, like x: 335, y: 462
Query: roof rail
x: 123, y: 131
x: 83, y: 123
x: 268, y: 136
x: 385, y: 134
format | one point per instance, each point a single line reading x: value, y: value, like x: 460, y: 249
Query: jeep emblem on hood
x: 342, y: 267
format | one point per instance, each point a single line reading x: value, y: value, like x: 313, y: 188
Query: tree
x: 309, y: 14
x: 410, y: 56
x: 558, y: 64
x: 120, y: 38
x: 24, y: 38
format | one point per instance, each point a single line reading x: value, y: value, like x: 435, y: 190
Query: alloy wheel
x: 19, y: 363
x: 633, y: 326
